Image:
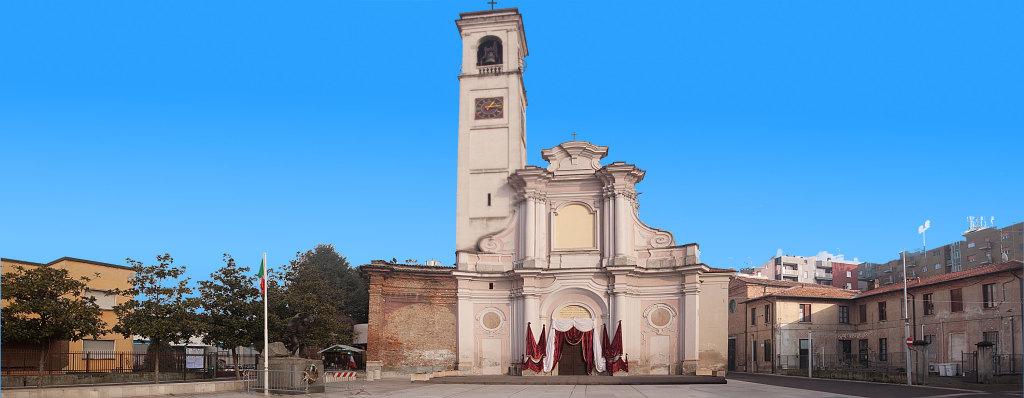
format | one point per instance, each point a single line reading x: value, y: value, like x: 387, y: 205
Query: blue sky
x: 131, y: 128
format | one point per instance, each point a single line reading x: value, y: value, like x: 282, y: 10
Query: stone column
x: 531, y: 312
x: 618, y: 309
x: 530, y: 235
x: 518, y: 327
x: 622, y: 221
x: 689, y: 326
x: 466, y: 338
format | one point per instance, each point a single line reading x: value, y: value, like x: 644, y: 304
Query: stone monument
x: 289, y: 373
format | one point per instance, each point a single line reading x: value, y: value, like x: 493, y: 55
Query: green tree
x: 321, y: 284
x: 46, y: 305
x: 161, y: 307
x: 232, y: 307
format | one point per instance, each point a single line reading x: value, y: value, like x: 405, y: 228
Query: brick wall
x: 412, y: 317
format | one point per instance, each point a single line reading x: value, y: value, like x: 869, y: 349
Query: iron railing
x: 871, y: 366
x: 102, y: 366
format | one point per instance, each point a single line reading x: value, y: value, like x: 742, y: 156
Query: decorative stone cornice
x: 620, y: 179
x: 574, y: 157
x: 530, y: 182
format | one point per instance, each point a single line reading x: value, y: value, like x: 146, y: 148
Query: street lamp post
x: 906, y: 319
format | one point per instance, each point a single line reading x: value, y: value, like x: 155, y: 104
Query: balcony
x: 823, y: 264
x: 489, y: 69
x: 823, y: 275
x: 786, y: 271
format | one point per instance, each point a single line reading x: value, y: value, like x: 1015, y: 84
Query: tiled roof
x: 810, y: 290
x: 771, y: 282
x: 918, y: 282
x: 815, y: 292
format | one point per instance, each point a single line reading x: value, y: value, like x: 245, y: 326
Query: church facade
x: 555, y: 272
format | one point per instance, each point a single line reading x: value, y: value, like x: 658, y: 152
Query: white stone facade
x: 569, y: 243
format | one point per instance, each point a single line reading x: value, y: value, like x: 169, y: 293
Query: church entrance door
x: 570, y: 362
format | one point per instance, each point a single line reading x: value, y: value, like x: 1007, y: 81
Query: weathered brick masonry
x: 412, y: 325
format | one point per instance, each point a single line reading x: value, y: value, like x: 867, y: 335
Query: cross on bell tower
x: 492, y: 3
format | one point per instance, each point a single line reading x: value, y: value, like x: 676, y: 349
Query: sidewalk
x: 873, y: 389
x: 578, y: 380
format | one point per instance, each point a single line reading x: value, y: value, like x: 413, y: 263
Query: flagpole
x: 266, y: 338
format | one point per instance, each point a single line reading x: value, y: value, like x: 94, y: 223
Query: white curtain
x: 581, y: 324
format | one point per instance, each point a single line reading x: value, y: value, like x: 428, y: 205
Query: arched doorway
x: 571, y: 362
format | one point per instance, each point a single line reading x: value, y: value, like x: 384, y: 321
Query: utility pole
x: 906, y: 318
x: 810, y: 355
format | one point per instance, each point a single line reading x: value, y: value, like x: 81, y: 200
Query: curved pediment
x: 574, y: 157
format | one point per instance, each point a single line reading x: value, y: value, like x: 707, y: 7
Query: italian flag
x: 263, y: 276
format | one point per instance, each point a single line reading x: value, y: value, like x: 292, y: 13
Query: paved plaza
x: 739, y: 386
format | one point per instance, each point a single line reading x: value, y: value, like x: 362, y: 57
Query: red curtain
x: 534, y: 351
x: 574, y: 336
x: 613, y: 351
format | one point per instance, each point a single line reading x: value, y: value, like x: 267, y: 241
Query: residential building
x: 953, y: 312
x: 819, y: 269
x: 982, y: 245
x: 105, y: 279
x: 747, y: 317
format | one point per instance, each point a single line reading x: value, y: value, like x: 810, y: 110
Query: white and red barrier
x: 333, y: 376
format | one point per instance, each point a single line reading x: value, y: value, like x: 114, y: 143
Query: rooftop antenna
x: 921, y: 230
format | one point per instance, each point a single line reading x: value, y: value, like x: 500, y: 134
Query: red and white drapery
x: 534, y: 358
x: 574, y: 331
x: 613, y: 357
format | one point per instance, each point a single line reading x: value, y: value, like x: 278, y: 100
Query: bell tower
x: 492, y: 121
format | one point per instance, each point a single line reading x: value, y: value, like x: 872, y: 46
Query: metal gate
x: 970, y: 366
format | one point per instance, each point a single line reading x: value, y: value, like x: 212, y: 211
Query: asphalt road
x: 863, y: 389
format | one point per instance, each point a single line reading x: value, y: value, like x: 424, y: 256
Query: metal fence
x: 1006, y: 364
x: 189, y: 365
x: 872, y: 366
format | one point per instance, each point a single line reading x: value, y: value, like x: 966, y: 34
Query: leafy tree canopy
x: 46, y: 304
x: 319, y: 284
x: 161, y: 307
x: 232, y: 307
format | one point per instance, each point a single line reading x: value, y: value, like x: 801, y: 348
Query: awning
x: 340, y: 348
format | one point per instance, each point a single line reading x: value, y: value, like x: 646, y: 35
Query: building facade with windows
x: 823, y: 268
x: 105, y: 278
x: 981, y: 246
x: 953, y: 312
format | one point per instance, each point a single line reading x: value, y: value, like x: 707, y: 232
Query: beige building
x: 105, y: 279
x: 557, y: 249
x: 953, y: 312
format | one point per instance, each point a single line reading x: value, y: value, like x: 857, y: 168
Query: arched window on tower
x: 489, y: 52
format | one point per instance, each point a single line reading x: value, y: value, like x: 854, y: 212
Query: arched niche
x: 489, y: 51
x: 592, y: 302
